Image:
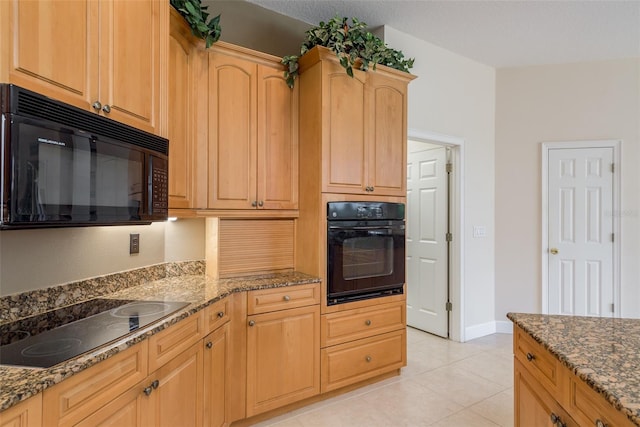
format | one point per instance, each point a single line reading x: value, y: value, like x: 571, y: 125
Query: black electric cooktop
x: 53, y: 337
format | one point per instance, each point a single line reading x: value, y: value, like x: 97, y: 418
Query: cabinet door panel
x: 25, y: 414
x: 277, y: 141
x: 388, y: 138
x: 344, y: 154
x: 130, y: 61
x: 126, y: 410
x: 215, y: 375
x: 54, y: 49
x: 232, y: 132
x: 283, y: 365
x: 177, y: 401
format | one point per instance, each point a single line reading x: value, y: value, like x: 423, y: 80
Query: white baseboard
x: 481, y: 330
x: 504, y: 327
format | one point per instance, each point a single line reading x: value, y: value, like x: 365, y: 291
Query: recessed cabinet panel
x: 277, y: 141
x: 65, y: 34
x: 345, y: 152
x: 232, y: 132
x: 388, y: 124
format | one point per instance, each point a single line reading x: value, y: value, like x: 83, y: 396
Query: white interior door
x: 427, y: 226
x: 580, y: 253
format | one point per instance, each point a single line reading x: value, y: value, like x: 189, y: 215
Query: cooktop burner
x: 48, y: 339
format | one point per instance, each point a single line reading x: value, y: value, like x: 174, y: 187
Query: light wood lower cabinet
x: 546, y: 393
x: 283, y: 349
x: 24, y: 414
x: 216, y: 352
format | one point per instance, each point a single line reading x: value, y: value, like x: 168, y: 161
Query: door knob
x: 553, y: 251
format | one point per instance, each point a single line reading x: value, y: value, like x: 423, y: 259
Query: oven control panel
x: 364, y: 210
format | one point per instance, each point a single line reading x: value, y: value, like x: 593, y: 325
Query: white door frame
x: 456, y: 214
x: 616, y: 144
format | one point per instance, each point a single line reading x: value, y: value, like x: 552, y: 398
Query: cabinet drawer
x: 541, y: 364
x: 216, y: 315
x: 344, y: 326
x: 587, y: 407
x: 356, y: 361
x: 265, y: 300
x: 167, y: 344
x: 75, y: 398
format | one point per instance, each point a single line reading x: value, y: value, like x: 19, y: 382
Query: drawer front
x: 590, y: 408
x: 345, y: 326
x: 167, y: 344
x: 540, y: 363
x: 266, y: 300
x: 216, y: 315
x: 75, y: 398
x: 356, y: 361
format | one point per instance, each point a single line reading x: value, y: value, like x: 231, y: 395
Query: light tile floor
x: 445, y: 384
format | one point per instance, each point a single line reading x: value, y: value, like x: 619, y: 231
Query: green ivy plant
x: 350, y: 43
x: 196, y: 16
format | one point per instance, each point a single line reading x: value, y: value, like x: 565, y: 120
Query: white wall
x: 586, y: 101
x: 455, y: 96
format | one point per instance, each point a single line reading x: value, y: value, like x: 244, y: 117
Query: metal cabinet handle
x: 220, y: 314
x: 368, y: 358
x: 530, y: 357
x: 97, y: 105
x: 261, y: 203
x: 147, y: 390
x: 554, y: 418
x: 254, y: 203
x: 553, y: 251
x: 372, y: 189
x: 286, y: 298
x: 252, y: 322
x: 209, y: 345
x: 155, y: 384
x: 106, y: 109
x: 600, y: 423
x: 367, y: 322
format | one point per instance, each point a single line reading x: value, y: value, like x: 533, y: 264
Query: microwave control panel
x: 159, y: 187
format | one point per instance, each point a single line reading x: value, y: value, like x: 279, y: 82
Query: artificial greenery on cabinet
x: 197, y: 16
x: 353, y: 45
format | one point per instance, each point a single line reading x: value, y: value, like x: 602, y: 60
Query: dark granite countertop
x: 603, y: 352
x: 21, y: 383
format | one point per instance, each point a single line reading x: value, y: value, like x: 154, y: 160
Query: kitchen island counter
x: 200, y: 291
x: 602, y: 352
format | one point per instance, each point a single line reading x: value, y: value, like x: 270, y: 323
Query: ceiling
x: 504, y: 33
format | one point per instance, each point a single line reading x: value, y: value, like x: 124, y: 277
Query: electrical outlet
x: 479, y: 231
x: 134, y: 243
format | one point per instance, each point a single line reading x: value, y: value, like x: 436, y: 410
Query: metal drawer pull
x: 148, y: 390
x: 367, y: 322
x: 286, y: 298
x: 530, y: 357
x: 106, y: 109
x: 600, y: 423
x: 368, y: 358
x: 209, y: 344
x: 252, y: 322
x: 221, y: 314
x: 97, y: 105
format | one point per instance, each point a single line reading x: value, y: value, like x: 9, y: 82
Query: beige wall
x: 587, y: 101
x: 455, y: 96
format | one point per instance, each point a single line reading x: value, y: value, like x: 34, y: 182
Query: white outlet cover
x: 479, y: 231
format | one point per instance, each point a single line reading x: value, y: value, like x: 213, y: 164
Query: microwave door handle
x: 339, y: 227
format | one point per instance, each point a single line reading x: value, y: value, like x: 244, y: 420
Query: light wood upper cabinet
x: 253, y: 141
x: 360, y: 123
x: 187, y: 110
x: 103, y: 56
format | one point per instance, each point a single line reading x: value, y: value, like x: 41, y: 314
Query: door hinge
x: 613, y: 236
x: 613, y: 308
x: 448, y: 306
x: 449, y: 167
x: 613, y: 168
x: 449, y: 237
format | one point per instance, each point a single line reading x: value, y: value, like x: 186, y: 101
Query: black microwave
x: 62, y: 166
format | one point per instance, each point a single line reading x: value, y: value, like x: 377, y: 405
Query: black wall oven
x: 365, y: 250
